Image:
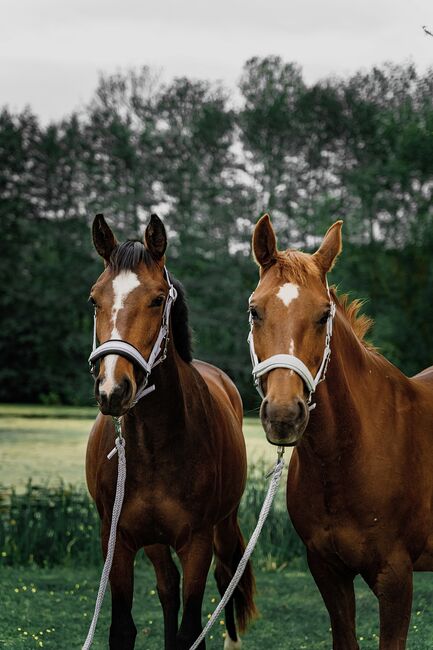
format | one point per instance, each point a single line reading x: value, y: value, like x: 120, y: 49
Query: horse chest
x: 322, y: 488
x: 334, y: 523
x: 163, y: 512
x: 152, y: 519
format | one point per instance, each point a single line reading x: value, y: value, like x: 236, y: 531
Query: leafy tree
x: 359, y: 148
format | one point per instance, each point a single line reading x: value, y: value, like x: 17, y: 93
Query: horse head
x: 291, y: 314
x: 129, y: 299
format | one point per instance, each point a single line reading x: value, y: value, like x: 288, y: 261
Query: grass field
x: 48, y: 444
x: 52, y: 607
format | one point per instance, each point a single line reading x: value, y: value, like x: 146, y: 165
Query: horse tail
x: 244, y: 593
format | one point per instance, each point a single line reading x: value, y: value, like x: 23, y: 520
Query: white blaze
x: 288, y: 292
x: 123, y: 284
x: 292, y: 352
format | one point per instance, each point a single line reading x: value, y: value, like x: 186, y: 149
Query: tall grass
x: 49, y: 526
x: 278, y: 543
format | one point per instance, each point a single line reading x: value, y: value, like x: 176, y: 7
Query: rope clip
x: 120, y: 440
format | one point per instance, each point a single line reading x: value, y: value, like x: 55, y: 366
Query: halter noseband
x: 128, y: 351
x: 291, y: 362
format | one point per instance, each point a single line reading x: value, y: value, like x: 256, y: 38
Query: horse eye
x: 254, y: 313
x: 157, y: 302
x: 323, y: 320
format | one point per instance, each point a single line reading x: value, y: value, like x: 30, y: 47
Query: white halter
x: 128, y: 351
x: 291, y: 362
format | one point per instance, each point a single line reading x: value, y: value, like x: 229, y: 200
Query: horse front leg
x: 392, y: 585
x: 336, y: 587
x: 195, y: 557
x: 168, y: 586
x: 122, y: 630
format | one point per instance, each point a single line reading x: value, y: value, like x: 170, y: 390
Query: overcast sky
x: 51, y: 51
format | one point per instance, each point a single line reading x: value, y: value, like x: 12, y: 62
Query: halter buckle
x: 165, y: 349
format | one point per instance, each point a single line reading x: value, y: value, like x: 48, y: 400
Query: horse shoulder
x: 93, y: 452
x: 227, y: 434
x: 220, y: 385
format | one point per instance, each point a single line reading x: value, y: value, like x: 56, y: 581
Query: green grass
x: 52, y: 609
x: 51, y: 520
x: 50, y: 526
x: 48, y: 444
x: 43, y: 449
x: 45, y: 411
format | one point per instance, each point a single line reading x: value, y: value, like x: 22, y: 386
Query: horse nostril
x: 297, y: 411
x: 103, y: 401
x: 121, y: 395
x: 126, y: 389
x: 302, y: 411
x: 293, y: 413
x: 96, y: 389
x: 115, y: 401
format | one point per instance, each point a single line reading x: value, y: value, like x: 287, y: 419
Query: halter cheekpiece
x: 128, y: 351
x: 291, y: 362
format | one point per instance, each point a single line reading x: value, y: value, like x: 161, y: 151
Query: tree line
x: 358, y: 148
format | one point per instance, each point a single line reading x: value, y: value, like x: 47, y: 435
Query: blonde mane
x: 360, y: 323
x: 296, y: 266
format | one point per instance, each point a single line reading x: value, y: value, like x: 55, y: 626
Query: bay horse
x: 185, y: 451
x: 360, y: 481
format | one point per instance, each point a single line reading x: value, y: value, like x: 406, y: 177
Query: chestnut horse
x: 360, y: 483
x: 185, y: 451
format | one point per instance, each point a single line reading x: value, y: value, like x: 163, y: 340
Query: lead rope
x: 273, y: 487
x: 117, y: 508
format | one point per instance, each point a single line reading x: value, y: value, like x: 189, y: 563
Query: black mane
x: 126, y: 257
x: 182, y: 335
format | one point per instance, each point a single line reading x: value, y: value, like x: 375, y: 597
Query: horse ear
x: 155, y: 237
x: 330, y: 248
x: 264, y: 242
x: 103, y: 238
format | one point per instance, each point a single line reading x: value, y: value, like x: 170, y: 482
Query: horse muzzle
x: 284, y: 423
x: 118, y: 401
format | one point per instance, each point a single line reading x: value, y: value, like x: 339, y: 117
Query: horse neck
x: 159, y: 415
x: 335, y: 423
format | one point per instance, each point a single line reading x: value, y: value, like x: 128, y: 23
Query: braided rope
x: 273, y: 487
x: 117, y: 507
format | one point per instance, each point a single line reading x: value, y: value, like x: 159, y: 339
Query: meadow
x: 48, y: 444
x: 47, y: 517
x: 51, y: 608
x: 50, y: 558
